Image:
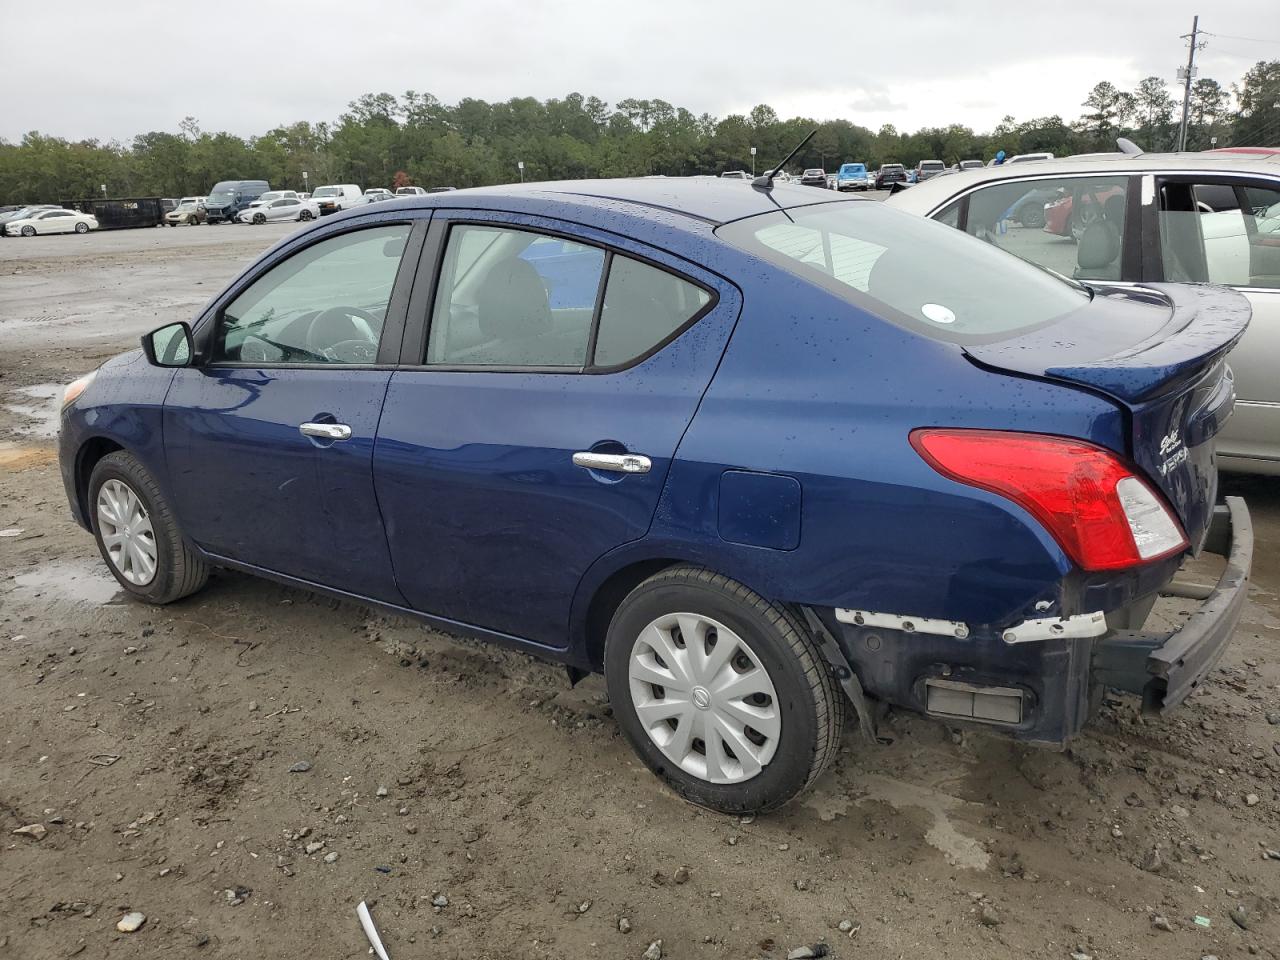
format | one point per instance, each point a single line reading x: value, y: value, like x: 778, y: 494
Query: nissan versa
x: 759, y: 455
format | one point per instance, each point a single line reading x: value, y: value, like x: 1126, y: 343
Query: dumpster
x: 120, y: 212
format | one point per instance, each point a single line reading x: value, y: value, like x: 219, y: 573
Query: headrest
x: 1099, y: 246
x: 512, y: 303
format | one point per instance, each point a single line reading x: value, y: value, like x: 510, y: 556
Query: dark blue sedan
x: 760, y: 456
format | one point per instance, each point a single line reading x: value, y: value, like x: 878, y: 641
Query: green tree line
x: 384, y: 140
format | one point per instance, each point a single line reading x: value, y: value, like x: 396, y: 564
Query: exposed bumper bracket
x: 847, y: 676
x: 1164, y: 668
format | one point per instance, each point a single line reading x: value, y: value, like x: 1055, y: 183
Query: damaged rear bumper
x: 1038, y: 681
x: 1163, y: 668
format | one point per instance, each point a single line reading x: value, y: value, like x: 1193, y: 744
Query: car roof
x: 713, y: 200
x: 924, y: 197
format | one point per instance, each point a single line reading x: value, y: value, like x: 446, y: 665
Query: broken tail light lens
x: 1103, y: 515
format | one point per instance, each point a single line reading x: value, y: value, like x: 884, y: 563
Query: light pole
x: 305, y: 188
x: 103, y: 188
x: 753, y: 162
x: 520, y: 164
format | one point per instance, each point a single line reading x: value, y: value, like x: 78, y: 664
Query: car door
x: 269, y: 440
x: 279, y: 210
x: 1226, y: 229
x: 532, y: 423
x: 56, y: 221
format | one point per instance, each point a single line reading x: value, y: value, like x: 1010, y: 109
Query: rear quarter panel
x: 812, y: 388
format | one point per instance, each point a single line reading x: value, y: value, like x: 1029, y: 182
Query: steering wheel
x: 344, y: 335
x: 352, y: 351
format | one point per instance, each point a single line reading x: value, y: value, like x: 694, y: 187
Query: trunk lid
x: 1158, y: 352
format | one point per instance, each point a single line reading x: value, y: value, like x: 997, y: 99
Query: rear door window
x: 512, y: 299
x: 1074, y: 226
x: 643, y: 307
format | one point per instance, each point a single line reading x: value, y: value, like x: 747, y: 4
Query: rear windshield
x: 930, y: 164
x: 912, y: 271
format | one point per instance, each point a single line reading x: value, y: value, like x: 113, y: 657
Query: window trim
x: 393, y: 327
x: 437, y: 241
x: 1238, y: 180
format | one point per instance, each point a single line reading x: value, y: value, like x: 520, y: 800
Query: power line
x: 1227, y: 36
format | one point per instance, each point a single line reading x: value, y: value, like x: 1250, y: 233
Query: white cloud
x: 247, y: 65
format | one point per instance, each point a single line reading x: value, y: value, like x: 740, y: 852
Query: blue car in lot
x: 736, y: 449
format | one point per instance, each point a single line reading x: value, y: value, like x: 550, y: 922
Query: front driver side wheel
x: 138, y: 535
x: 723, y: 694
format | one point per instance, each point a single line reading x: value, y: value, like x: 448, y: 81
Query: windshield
x: 327, y: 192
x: 871, y: 255
x: 852, y: 169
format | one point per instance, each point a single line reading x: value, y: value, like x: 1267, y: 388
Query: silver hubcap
x: 126, y: 532
x: 704, y: 698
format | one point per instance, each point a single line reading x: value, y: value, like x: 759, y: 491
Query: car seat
x: 514, y: 313
x: 1098, y: 252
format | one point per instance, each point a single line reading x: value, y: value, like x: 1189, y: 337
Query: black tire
x: 1031, y: 215
x: 306, y: 215
x: 259, y: 218
x: 82, y: 228
x: 811, y: 705
x: 180, y: 572
x: 28, y: 231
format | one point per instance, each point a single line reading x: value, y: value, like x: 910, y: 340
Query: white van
x: 336, y: 197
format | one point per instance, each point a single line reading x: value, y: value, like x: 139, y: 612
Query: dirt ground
x: 482, y: 807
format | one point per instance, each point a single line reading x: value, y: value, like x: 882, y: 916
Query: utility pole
x: 1189, y: 72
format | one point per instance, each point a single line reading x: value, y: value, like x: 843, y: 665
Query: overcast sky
x: 109, y: 69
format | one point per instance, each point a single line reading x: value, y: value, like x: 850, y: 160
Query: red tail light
x: 1090, y: 500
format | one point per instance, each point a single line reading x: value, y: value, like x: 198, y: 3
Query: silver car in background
x: 1128, y: 220
x: 285, y: 208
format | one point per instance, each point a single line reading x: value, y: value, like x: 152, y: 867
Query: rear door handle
x: 326, y: 431
x: 617, y: 462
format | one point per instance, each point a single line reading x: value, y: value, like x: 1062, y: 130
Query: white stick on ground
x: 370, y: 931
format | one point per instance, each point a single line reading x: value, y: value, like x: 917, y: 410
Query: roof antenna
x: 765, y: 182
x: 1128, y: 147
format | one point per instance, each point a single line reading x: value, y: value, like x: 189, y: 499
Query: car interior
x: 1220, y: 233
x: 519, y: 299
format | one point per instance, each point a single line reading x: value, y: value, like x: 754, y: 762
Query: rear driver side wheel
x: 138, y: 535
x: 723, y: 694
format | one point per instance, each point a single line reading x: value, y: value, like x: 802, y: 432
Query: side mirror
x: 169, y: 346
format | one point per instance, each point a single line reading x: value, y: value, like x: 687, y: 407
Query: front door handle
x: 325, y: 431
x: 617, y: 462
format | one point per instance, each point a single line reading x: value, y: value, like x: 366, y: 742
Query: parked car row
x: 45, y: 218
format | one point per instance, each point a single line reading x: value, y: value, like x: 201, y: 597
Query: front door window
x: 325, y: 304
